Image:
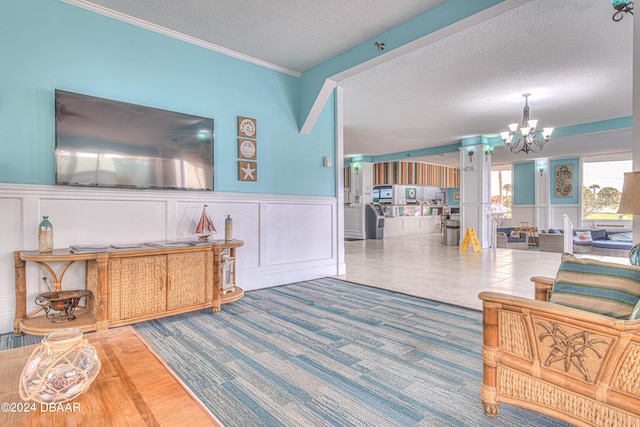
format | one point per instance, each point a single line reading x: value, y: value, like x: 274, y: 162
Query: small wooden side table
x: 134, y: 388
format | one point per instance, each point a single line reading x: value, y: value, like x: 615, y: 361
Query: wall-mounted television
x: 107, y: 143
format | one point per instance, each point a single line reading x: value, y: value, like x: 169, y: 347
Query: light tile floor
x: 422, y: 266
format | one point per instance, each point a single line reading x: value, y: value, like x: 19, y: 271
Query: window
x: 602, y: 188
x: 501, y: 191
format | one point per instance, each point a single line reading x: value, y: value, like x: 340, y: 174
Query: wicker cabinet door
x: 143, y: 285
x: 188, y: 278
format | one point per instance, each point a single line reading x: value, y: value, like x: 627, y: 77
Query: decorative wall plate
x: 247, y: 171
x: 247, y: 149
x: 411, y: 194
x: 247, y: 127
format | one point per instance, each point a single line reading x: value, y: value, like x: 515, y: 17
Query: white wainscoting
x: 286, y: 238
x: 354, y: 222
x: 523, y: 213
x: 574, y: 212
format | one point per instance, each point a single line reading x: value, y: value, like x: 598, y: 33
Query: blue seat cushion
x: 555, y: 231
x: 612, y: 244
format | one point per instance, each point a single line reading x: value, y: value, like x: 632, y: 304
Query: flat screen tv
x: 106, y: 143
x: 386, y: 194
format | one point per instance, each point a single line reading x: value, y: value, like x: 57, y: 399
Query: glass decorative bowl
x: 61, y: 368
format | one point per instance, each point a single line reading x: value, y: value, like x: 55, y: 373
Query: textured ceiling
x: 472, y: 82
x: 574, y: 60
x: 295, y: 34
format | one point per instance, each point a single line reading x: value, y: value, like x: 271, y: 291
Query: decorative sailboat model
x: 205, y: 226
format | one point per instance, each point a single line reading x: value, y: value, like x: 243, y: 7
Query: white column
x: 542, y: 209
x: 338, y: 155
x: 361, y: 183
x: 635, y: 130
x: 475, y: 192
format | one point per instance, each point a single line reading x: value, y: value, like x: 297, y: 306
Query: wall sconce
x: 470, y: 153
x: 621, y: 7
x: 356, y: 168
x: 488, y: 150
x: 541, y: 168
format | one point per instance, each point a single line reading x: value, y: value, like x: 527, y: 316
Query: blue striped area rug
x: 331, y: 353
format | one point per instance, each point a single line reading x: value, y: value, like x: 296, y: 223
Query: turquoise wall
x: 573, y: 200
x: 48, y: 44
x: 524, y: 186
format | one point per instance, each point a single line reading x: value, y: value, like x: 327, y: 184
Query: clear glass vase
x: 61, y: 368
x: 45, y: 235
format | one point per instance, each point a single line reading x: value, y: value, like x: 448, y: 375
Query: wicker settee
x: 579, y: 366
x: 603, y: 242
x: 504, y: 239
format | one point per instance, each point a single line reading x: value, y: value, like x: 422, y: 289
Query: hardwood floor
x: 134, y: 388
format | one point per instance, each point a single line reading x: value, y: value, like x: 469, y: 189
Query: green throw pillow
x: 597, y: 286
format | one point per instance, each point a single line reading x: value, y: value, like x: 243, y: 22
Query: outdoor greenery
x: 504, y: 198
x: 597, y: 202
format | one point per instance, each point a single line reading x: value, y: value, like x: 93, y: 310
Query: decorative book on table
x: 168, y: 244
x: 88, y: 249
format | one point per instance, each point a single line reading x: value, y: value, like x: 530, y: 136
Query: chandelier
x: 621, y: 6
x: 526, y: 140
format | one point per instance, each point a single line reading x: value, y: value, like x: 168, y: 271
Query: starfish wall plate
x: 247, y: 171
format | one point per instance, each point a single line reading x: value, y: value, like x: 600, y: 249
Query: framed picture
x: 440, y: 198
x: 410, y: 194
x: 247, y: 171
x: 247, y: 127
x: 456, y: 197
x: 564, y: 180
x: 247, y: 148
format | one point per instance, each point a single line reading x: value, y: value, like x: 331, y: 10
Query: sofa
x: 597, y: 241
x: 567, y: 353
x: 504, y: 239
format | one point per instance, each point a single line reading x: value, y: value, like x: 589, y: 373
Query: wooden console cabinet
x: 132, y: 285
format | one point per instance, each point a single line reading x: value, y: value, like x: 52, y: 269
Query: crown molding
x: 84, y: 4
